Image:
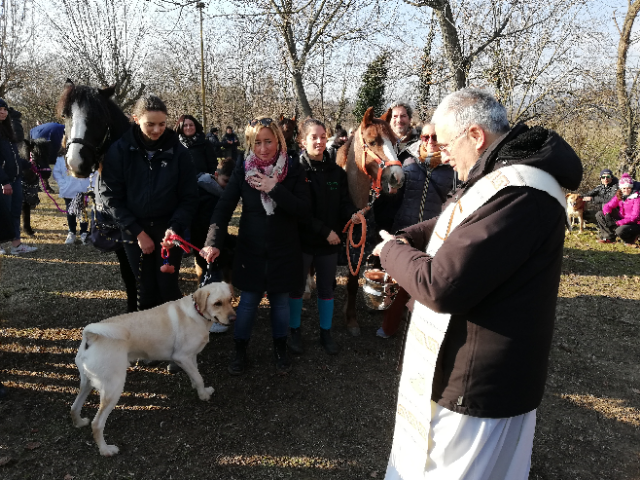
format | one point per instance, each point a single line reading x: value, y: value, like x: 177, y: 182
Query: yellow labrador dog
x: 175, y: 331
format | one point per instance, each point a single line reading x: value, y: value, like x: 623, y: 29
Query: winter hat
x: 626, y: 181
x: 607, y: 171
x: 3, y: 104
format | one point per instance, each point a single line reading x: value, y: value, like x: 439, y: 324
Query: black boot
x: 283, y: 362
x: 239, y: 359
x: 327, y: 342
x: 295, y: 341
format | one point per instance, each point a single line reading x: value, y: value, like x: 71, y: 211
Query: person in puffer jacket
x: 424, y: 176
x: 621, y: 215
x: 69, y: 186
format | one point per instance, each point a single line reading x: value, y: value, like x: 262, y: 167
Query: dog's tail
x: 108, y: 330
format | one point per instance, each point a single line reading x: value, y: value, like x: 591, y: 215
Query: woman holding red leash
x: 148, y: 185
x: 268, y: 255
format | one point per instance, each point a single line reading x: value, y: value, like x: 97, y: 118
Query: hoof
x: 354, y: 331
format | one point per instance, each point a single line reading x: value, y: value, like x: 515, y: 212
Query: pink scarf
x: 277, y: 166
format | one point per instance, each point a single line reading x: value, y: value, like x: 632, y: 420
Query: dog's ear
x: 200, y: 297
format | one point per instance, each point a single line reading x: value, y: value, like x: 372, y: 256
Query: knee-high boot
x: 325, y: 310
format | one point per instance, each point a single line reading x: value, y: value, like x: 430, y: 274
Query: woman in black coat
x: 331, y: 208
x: 149, y: 187
x: 268, y: 256
x: 203, y: 154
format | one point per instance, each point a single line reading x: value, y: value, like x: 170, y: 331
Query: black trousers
x: 155, y: 287
x: 608, y: 229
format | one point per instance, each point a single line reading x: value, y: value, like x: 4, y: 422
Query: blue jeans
x: 248, y: 309
x: 14, y: 204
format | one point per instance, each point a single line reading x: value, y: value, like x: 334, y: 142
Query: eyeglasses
x: 605, y: 176
x: 426, y: 138
x: 265, y: 122
x: 445, y: 147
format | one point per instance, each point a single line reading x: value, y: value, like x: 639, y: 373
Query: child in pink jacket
x: 621, y: 215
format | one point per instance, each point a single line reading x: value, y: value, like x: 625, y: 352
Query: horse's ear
x: 367, y: 119
x: 293, y: 118
x: 107, y: 92
x: 386, y: 116
x: 281, y: 118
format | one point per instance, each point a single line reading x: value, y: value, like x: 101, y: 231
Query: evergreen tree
x: 371, y: 93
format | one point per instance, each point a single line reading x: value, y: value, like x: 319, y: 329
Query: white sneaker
x: 71, y: 239
x: 22, y: 248
x: 218, y: 328
x: 84, y: 238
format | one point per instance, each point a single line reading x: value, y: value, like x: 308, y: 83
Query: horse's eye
x: 373, y: 144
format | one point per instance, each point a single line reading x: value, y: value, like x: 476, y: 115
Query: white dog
x: 175, y: 331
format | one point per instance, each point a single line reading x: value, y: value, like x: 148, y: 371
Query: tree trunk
x: 301, y: 94
x: 452, y: 47
x: 628, y: 154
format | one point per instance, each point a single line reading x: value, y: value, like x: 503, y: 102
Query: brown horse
x: 372, y: 166
x: 289, y: 128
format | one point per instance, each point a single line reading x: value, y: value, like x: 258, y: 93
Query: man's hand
x: 7, y: 189
x: 333, y: 238
x: 355, y: 218
x: 209, y: 253
x: 386, y: 236
x: 166, y: 243
x: 145, y: 243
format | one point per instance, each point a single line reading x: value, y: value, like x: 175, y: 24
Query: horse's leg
x: 350, y: 307
x: 26, y: 219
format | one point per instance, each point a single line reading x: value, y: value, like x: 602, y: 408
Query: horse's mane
x: 82, y: 95
x: 343, y: 153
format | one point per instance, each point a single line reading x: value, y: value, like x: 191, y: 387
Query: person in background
x: 268, y: 255
x: 620, y: 216
x: 339, y: 139
x: 148, y: 186
x: 68, y: 187
x: 52, y: 131
x: 331, y: 208
x: 205, y: 162
x: 230, y: 143
x: 603, y: 192
x: 11, y: 168
x: 427, y: 181
x: 213, y: 138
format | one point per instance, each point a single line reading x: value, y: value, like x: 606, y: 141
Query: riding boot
x: 26, y: 219
x: 325, y: 312
x: 283, y: 362
x: 239, y: 360
x: 295, y: 341
x: 329, y: 345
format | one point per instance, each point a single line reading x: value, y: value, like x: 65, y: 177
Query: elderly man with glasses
x: 484, y: 276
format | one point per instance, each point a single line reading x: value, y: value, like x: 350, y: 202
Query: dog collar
x: 195, y: 304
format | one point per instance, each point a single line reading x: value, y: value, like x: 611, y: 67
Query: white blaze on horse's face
x: 393, y: 175
x: 78, y: 130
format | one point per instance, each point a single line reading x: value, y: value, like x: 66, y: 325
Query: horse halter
x: 97, y: 151
x: 376, y: 183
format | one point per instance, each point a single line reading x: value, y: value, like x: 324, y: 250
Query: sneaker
x: 380, y: 333
x: 71, y: 239
x: 84, y: 238
x: 218, y: 328
x: 22, y: 248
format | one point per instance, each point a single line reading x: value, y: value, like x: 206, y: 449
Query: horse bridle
x: 97, y: 151
x: 376, y: 183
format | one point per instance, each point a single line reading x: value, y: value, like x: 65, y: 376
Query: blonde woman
x: 268, y: 256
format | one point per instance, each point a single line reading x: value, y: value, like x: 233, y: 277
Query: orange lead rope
x: 360, y: 244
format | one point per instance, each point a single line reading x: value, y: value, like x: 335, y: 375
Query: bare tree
x: 15, y: 34
x: 104, y: 42
x: 626, y: 91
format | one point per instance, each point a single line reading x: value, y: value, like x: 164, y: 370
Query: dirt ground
x: 331, y: 418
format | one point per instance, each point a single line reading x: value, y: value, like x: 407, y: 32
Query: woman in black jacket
x: 203, y: 154
x: 149, y: 188
x: 268, y: 256
x: 331, y: 208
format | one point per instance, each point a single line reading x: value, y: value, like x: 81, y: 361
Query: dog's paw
x: 109, y: 450
x: 81, y: 422
x: 206, y: 394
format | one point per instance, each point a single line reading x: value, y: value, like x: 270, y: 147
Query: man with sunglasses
x: 603, y: 192
x: 484, y: 276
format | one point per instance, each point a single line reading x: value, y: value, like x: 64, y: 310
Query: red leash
x: 178, y: 241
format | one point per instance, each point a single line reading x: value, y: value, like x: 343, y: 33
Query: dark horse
x: 94, y: 123
x: 37, y: 151
x: 289, y: 128
x: 370, y: 160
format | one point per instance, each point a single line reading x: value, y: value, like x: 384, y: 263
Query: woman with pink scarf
x: 621, y: 215
x: 268, y: 257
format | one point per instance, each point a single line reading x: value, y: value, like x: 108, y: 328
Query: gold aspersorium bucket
x: 379, y: 288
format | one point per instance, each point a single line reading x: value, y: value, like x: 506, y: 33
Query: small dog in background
x: 575, y: 209
x: 176, y: 331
